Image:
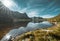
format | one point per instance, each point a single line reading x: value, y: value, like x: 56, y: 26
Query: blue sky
x: 43, y: 8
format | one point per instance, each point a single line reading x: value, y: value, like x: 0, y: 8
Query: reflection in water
x: 19, y: 24
x: 30, y: 26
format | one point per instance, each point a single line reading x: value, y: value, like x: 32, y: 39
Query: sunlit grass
x: 43, y: 35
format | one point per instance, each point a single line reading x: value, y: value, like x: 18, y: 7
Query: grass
x: 42, y: 35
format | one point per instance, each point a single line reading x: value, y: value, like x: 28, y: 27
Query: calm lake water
x: 29, y: 27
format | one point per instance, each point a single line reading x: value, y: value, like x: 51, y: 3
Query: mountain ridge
x: 6, y: 15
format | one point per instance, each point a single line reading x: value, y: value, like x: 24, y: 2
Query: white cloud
x: 23, y: 10
x: 33, y: 13
x: 47, y: 16
x: 7, y: 3
x: 10, y: 4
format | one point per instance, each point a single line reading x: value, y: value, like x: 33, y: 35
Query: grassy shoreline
x: 53, y: 34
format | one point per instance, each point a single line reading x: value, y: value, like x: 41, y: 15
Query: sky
x: 38, y: 8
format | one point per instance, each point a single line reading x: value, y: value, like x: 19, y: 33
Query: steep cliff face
x: 6, y: 15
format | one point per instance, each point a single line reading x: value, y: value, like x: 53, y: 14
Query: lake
x: 26, y: 28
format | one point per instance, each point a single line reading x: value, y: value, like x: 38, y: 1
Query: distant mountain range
x: 6, y: 15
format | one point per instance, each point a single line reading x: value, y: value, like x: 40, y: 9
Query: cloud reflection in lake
x: 30, y: 26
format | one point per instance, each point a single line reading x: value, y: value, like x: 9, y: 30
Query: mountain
x: 6, y: 15
x: 7, y: 19
x: 37, y: 19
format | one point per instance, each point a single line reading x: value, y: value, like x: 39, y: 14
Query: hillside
x: 55, y: 19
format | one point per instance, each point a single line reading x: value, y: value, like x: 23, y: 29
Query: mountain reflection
x: 26, y: 28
